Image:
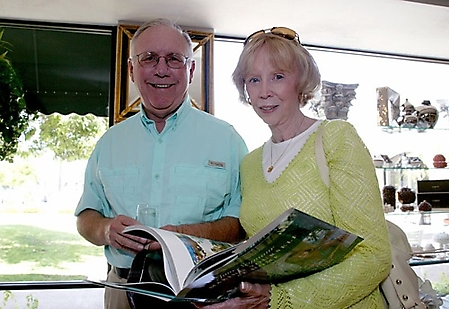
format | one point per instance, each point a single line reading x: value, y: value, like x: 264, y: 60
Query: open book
x: 194, y: 269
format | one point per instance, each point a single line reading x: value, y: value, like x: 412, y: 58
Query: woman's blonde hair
x: 285, y: 54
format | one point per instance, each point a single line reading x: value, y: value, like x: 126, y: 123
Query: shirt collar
x: 172, y: 121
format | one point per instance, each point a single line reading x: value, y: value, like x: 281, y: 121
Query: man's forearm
x: 227, y: 229
x: 94, y: 228
x: 91, y: 225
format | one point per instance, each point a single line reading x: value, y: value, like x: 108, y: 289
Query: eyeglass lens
x: 149, y: 59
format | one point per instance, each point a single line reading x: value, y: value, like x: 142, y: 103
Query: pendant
x: 270, y: 168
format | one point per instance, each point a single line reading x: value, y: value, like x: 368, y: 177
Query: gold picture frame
x: 126, y: 98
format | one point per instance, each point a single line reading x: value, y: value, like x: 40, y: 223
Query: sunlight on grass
x: 37, y: 254
x: 21, y: 243
x: 39, y: 277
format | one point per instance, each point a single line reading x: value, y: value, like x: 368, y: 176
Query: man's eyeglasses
x: 150, y: 59
x: 283, y: 32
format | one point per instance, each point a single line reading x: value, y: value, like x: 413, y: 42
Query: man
x: 181, y: 161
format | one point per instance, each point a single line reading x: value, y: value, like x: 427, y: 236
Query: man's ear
x: 131, y: 69
x: 191, y: 71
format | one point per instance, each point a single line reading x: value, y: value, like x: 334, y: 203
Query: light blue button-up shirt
x: 189, y: 172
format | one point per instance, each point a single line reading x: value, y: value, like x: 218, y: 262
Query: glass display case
x: 409, y: 176
x: 415, y: 160
x: 428, y: 234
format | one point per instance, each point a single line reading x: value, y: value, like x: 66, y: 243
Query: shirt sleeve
x: 238, y: 151
x: 93, y: 196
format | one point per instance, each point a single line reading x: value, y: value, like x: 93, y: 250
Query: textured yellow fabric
x: 352, y: 202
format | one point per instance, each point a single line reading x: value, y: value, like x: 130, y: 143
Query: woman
x: 277, y: 76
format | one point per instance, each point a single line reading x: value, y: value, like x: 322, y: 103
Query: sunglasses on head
x: 283, y: 32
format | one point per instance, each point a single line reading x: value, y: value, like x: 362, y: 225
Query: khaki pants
x: 113, y: 298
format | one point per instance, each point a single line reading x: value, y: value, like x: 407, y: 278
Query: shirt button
x: 160, y: 141
x: 157, y: 176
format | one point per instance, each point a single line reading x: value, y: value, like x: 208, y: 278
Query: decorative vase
x: 427, y: 115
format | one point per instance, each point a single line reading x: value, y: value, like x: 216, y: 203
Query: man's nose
x: 161, y: 66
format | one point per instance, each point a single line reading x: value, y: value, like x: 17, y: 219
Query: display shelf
x: 401, y: 177
x: 427, y: 233
x: 398, y: 129
x: 409, y: 176
x: 421, y: 229
x: 412, y: 168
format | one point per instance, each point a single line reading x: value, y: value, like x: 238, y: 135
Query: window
x: 66, y: 72
x: 413, y: 79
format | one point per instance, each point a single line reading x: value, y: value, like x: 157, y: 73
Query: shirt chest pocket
x: 202, y: 192
x: 120, y: 184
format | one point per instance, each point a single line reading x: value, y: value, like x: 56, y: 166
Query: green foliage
x: 442, y: 286
x: 70, y: 137
x: 39, y: 277
x: 32, y: 303
x: 14, y: 116
x: 17, y: 174
x: 44, y: 247
x: 8, y: 297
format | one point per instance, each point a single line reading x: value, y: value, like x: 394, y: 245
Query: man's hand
x: 103, y: 231
x: 115, y: 237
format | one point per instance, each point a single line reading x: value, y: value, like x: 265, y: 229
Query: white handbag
x: 400, y: 289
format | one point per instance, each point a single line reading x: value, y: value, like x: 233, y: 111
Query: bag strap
x: 320, y: 156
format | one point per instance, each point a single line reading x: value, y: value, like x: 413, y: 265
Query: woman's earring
x: 245, y: 93
x: 247, y: 99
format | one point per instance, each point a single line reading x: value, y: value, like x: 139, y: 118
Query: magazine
x: 195, y: 269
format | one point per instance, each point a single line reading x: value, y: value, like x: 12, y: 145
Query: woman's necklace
x: 271, y: 167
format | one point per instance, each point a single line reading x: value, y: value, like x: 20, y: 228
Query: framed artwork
x: 126, y: 97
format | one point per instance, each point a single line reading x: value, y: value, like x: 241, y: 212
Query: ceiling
x: 387, y: 26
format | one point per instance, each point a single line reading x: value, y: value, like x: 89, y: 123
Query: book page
x: 198, y: 250
x: 153, y: 289
x: 297, y: 245
x: 181, y: 252
x: 209, y: 264
x: 294, y: 245
x: 266, y: 231
x: 177, y: 258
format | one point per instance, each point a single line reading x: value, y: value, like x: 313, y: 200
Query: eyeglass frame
x: 159, y: 57
x: 294, y: 37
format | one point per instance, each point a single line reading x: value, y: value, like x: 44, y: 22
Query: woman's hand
x: 251, y: 296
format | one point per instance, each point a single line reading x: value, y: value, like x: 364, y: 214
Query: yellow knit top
x: 352, y: 202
